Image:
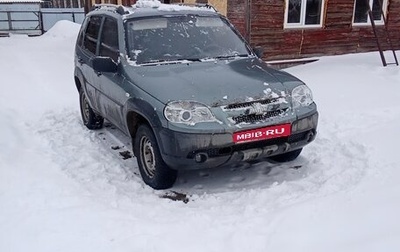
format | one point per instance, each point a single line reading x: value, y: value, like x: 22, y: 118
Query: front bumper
x: 183, y: 151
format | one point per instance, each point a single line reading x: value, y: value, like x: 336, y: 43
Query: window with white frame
x: 304, y: 13
x: 361, y: 11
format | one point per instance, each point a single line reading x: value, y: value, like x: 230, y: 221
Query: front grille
x: 248, y: 104
x: 256, y: 111
x: 252, y: 118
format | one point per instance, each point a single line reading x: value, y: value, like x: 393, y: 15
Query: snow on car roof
x: 144, y: 8
x: 155, y: 4
x: 148, y: 4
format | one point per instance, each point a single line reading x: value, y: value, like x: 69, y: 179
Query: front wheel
x: 286, y: 157
x: 154, y: 171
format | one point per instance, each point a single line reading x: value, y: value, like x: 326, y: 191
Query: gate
x: 21, y: 18
x: 50, y: 16
x: 29, y: 18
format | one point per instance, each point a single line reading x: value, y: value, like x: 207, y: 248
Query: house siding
x: 264, y: 26
x: 261, y: 22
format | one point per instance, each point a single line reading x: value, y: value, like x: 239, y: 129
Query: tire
x: 286, y: 157
x: 154, y: 171
x: 90, y: 119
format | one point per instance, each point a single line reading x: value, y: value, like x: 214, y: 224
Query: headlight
x: 188, y: 112
x: 301, y: 96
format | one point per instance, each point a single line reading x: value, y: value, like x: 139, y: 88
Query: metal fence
x: 50, y: 16
x: 20, y: 18
x: 33, y: 20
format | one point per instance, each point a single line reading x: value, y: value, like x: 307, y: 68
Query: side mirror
x: 104, y: 64
x: 259, y: 51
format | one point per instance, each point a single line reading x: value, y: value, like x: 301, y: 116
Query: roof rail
x: 199, y: 5
x: 119, y: 9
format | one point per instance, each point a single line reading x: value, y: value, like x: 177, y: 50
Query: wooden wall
x: 261, y: 22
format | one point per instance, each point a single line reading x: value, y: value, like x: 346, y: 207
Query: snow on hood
x: 244, y: 80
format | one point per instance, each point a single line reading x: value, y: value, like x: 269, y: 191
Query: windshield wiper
x: 223, y: 57
x: 169, y: 61
x: 182, y: 60
x: 162, y: 62
x: 190, y: 59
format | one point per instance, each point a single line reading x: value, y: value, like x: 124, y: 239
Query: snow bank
x: 17, y: 35
x: 63, y: 29
x: 65, y: 188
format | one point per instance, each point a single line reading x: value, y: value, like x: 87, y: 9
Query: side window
x: 92, y: 34
x: 304, y: 13
x: 109, y: 39
x: 79, y: 41
x: 361, y: 11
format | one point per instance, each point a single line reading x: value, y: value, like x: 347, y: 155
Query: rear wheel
x: 286, y: 157
x: 154, y: 171
x: 90, y: 119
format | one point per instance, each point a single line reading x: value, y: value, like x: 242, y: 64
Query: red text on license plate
x: 262, y: 133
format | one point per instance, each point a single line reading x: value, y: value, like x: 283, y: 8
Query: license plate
x: 262, y: 133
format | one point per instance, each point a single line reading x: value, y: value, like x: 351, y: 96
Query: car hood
x: 213, y: 83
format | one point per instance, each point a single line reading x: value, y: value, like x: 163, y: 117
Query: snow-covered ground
x: 65, y: 188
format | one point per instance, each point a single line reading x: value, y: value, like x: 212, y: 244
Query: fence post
x: 41, y: 21
x: 9, y: 20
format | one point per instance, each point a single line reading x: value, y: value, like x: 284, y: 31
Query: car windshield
x: 176, y: 38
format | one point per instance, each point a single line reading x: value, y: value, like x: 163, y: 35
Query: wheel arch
x: 141, y: 112
x: 78, y: 83
x: 79, y: 79
x: 134, y: 120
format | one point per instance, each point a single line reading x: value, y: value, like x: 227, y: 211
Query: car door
x: 85, y: 53
x: 112, y: 94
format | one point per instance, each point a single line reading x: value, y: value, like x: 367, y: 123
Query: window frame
x: 92, y: 39
x: 385, y: 4
x: 302, y: 24
x: 102, y: 44
x: 130, y: 33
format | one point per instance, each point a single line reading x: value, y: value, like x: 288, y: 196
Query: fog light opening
x: 286, y: 147
x: 200, y: 157
x: 310, y: 137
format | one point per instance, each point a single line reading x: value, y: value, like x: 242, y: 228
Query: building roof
x: 20, y: 1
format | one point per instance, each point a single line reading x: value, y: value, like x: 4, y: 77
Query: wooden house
x: 305, y: 28
x: 291, y: 29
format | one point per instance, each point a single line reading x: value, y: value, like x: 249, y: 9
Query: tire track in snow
x: 326, y: 166
x: 83, y: 157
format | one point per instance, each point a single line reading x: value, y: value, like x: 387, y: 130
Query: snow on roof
x: 156, y: 4
x: 21, y: 1
x: 148, y: 4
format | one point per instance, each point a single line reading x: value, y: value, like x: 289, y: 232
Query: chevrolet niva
x: 188, y: 90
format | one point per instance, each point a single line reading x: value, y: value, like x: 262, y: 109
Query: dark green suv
x: 188, y: 90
